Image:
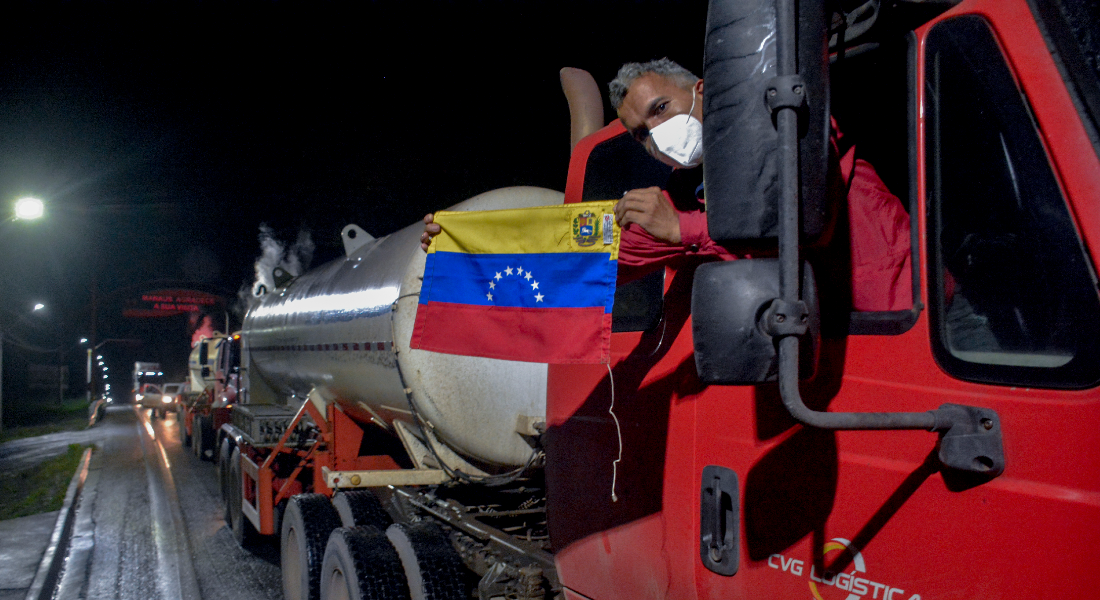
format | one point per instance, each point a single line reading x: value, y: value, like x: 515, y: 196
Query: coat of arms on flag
x: 532, y: 284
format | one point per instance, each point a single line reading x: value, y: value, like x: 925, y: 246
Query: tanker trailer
x: 419, y: 457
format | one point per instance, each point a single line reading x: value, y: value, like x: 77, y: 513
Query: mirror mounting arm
x: 970, y: 436
x: 785, y: 318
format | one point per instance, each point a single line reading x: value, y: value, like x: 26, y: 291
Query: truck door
x: 618, y: 442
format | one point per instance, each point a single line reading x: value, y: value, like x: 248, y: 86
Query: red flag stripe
x: 558, y: 335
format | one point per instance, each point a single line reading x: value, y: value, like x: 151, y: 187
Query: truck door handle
x: 719, y: 517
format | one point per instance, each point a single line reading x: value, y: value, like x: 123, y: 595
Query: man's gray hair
x: 631, y: 71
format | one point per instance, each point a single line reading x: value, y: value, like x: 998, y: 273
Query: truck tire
x: 225, y: 455
x: 432, y: 567
x: 185, y: 435
x: 361, y: 564
x: 359, y: 508
x: 243, y: 530
x: 206, y: 435
x: 308, y: 521
x: 196, y: 435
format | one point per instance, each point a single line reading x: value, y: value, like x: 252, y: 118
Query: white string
x: 618, y: 432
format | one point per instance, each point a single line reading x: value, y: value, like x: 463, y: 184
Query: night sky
x: 162, y: 134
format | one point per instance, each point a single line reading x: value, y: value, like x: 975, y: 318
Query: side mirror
x: 730, y: 302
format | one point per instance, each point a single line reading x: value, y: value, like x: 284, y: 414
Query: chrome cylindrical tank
x: 343, y: 330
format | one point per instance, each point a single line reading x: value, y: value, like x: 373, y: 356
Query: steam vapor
x: 274, y: 253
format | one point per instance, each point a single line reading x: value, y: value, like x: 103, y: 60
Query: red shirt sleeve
x: 640, y: 253
x: 879, y: 227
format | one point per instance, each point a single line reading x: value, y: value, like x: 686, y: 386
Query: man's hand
x: 651, y: 210
x: 431, y: 229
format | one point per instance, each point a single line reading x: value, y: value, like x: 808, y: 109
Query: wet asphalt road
x: 150, y: 523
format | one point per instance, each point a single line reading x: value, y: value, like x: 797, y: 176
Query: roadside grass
x: 40, y: 488
x: 23, y: 420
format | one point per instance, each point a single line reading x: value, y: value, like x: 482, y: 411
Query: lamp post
x: 91, y: 350
x: 60, y: 347
x: 37, y: 307
x: 26, y: 209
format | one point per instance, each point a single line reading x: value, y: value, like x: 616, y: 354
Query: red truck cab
x: 662, y: 486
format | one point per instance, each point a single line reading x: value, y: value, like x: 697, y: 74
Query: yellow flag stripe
x: 542, y: 229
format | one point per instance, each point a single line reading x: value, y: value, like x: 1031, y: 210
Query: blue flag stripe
x: 556, y: 280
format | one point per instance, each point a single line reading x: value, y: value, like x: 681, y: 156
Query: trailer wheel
x: 225, y: 454
x: 361, y: 564
x: 308, y: 521
x: 432, y: 567
x: 196, y: 435
x: 358, y: 508
x: 243, y: 531
x: 185, y: 435
x: 206, y: 434
x: 205, y: 438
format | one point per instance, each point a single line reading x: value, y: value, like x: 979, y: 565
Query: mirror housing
x: 730, y: 303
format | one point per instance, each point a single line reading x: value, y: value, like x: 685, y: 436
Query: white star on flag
x: 527, y: 276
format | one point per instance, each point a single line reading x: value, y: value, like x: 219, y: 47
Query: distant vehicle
x: 145, y: 372
x: 152, y: 397
x: 172, y: 395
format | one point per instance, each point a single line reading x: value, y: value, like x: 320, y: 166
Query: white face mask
x: 680, y: 138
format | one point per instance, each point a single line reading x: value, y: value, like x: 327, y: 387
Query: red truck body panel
x: 872, y: 507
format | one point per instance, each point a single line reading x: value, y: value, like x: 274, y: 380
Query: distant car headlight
x: 166, y: 399
x: 139, y: 397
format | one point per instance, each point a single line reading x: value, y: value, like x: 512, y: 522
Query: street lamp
x: 28, y: 209
x: 29, y: 214
x: 38, y: 306
x: 99, y: 359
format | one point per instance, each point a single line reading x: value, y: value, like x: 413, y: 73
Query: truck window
x: 1013, y: 295
x: 881, y: 132
x: 614, y: 166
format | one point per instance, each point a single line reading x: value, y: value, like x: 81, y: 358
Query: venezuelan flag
x: 531, y: 284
